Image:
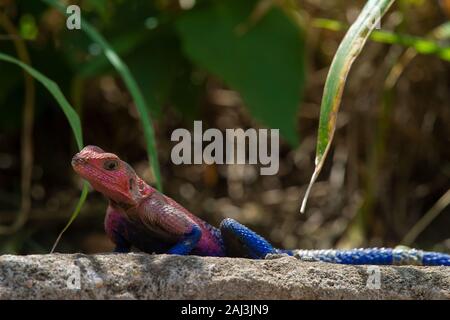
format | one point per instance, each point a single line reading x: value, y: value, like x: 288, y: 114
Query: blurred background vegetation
x: 231, y: 64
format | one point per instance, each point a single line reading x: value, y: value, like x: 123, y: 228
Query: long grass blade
x: 71, y: 116
x: 84, y: 193
x: 131, y: 85
x: 53, y: 88
x: 349, y: 49
x: 421, y: 45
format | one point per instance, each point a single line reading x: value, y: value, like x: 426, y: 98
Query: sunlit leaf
x: 421, y: 45
x: 349, y: 49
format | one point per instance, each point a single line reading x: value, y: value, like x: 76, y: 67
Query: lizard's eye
x: 111, y: 165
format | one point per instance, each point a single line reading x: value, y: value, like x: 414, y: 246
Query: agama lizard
x: 140, y: 216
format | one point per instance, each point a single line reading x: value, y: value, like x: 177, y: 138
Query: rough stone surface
x: 142, y: 276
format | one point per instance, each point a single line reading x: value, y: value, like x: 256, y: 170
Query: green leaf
x: 156, y: 66
x: 349, y: 49
x: 421, y: 45
x: 263, y: 60
x: 122, y: 44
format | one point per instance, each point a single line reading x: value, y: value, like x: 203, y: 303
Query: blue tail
x: 378, y: 256
x: 240, y: 241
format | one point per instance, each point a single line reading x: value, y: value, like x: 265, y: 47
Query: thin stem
x: 27, y: 129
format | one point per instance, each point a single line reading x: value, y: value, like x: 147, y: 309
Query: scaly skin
x: 140, y: 216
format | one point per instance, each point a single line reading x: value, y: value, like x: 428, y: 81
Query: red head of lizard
x: 111, y: 176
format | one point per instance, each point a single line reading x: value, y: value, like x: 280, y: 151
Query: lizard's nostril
x: 76, y: 160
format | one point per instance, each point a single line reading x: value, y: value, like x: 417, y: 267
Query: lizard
x: 139, y: 216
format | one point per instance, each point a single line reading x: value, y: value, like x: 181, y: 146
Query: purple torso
x: 122, y: 230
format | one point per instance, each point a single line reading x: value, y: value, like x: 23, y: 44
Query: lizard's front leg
x: 116, y: 229
x: 171, y: 223
x: 188, y: 241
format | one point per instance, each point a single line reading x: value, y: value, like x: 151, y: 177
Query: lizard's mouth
x: 84, y: 169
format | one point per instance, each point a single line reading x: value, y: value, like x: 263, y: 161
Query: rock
x: 143, y: 276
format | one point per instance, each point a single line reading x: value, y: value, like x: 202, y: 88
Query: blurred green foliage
x: 28, y: 28
x: 165, y: 46
x: 263, y: 59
